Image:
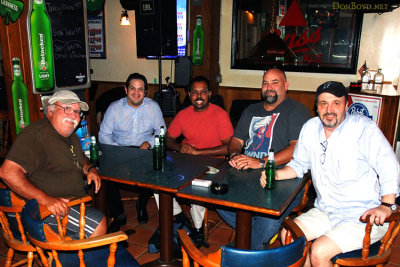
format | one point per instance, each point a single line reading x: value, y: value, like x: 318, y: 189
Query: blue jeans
x: 263, y: 227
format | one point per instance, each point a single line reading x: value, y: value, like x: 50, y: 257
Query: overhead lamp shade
x: 125, y: 18
x: 271, y: 46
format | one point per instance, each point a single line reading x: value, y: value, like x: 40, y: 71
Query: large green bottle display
x: 42, y: 50
x: 20, y: 98
x: 198, y: 43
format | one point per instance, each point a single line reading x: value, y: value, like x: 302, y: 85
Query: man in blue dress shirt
x: 131, y: 121
x: 354, y: 171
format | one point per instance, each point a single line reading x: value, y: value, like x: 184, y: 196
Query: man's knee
x: 322, y: 250
x: 101, y: 228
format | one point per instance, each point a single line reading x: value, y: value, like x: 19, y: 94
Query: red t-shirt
x: 203, y: 129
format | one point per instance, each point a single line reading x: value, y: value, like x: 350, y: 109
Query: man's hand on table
x: 145, y: 145
x: 188, y: 149
x: 242, y: 162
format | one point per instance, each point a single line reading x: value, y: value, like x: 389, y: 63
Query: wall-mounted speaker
x: 156, y: 28
x: 183, y: 71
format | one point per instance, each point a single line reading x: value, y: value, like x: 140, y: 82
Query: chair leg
x: 10, y: 255
x: 205, y: 230
x: 30, y: 258
x: 43, y: 258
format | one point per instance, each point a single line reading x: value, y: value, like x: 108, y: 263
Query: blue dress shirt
x: 124, y: 125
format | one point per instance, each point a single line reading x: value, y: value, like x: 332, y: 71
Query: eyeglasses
x: 324, y: 146
x: 69, y: 110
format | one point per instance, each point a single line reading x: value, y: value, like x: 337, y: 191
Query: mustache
x: 329, y: 114
x: 199, y: 99
x: 270, y: 91
x: 75, y: 122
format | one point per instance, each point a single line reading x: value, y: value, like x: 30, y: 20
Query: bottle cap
x: 156, y: 141
x: 93, y: 138
x: 271, y: 154
x: 162, y: 130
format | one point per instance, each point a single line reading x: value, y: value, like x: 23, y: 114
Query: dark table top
x: 135, y: 166
x: 245, y: 191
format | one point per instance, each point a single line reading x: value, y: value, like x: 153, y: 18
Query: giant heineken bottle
x: 20, y: 98
x: 42, y: 51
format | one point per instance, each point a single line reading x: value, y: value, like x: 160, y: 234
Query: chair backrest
x: 292, y: 254
x: 10, y: 209
x: 92, y: 251
x: 281, y: 256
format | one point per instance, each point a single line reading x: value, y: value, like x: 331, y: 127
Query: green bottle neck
x: 38, y: 5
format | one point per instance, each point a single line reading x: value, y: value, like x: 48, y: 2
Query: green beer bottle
x: 94, y: 151
x: 163, y: 142
x: 157, y: 159
x: 198, y: 43
x: 42, y: 49
x: 20, y: 98
x: 270, y: 170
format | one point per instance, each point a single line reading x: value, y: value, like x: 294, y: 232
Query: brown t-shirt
x: 53, y: 163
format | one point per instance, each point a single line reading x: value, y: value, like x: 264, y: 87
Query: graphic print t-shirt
x: 262, y: 130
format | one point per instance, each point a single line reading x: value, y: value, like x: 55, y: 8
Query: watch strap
x: 391, y: 206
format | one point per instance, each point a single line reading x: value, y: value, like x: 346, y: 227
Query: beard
x: 329, y: 123
x: 270, y: 99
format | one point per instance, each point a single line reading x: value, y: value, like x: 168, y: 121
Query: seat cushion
x: 97, y: 257
x: 373, y: 251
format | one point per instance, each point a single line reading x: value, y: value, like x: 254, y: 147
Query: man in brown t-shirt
x: 46, y: 162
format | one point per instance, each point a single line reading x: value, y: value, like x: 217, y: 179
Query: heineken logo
x: 11, y: 10
x: 43, y: 63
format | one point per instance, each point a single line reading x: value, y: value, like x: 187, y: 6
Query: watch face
x: 393, y: 207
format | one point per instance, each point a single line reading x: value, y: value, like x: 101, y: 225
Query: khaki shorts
x: 347, y: 235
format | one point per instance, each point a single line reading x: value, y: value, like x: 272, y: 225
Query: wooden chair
x: 292, y: 254
x: 91, y: 251
x: 372, y: 254
x: 304, y: 201
x: 13, y: 232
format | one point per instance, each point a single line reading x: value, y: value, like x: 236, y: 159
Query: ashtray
x: 219, y: 189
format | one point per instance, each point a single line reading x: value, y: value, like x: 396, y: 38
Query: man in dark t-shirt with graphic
x: 274, y: 124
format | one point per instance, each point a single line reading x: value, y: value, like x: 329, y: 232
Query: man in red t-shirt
x: 206, y: 129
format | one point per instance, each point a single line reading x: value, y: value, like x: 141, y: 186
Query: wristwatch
x: 391, y: 206
x: 262, y: 163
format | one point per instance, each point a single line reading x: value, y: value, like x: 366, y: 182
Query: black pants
x: 115, y: 206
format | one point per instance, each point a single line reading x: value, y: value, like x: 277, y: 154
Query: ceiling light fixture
x: 125, y: 18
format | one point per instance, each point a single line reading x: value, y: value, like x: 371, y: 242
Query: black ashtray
x: 219, y: 189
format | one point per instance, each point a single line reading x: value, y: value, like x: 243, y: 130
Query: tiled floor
x: 140, y: 234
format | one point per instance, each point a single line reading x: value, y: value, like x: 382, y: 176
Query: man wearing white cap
x: 46, y: 162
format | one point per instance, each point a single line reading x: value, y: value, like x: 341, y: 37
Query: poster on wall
x: 96, y: 32
x: 369, y: 106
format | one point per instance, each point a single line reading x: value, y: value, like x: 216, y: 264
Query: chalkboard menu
x: 70, y: 48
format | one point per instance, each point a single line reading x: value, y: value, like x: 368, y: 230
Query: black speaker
x: 183, y: 71
x: 156, y: 28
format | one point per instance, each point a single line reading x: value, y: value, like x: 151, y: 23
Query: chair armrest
x: 291, y: 226
x: 44, y: 212
x: 91, y: 242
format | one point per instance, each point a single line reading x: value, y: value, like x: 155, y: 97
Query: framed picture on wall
x: 97, y: 36
x: 298, y: 35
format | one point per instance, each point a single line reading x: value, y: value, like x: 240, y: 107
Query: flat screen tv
x: 181, y: 23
